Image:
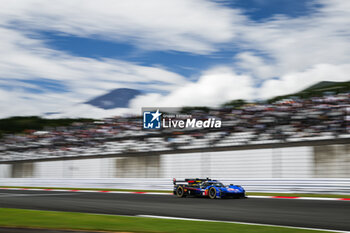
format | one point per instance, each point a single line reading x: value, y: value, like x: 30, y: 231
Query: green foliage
x: 235, y: 103
x: 316, y: 90
x: 98, y: 222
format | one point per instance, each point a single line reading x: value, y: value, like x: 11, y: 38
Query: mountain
x: 322, y: 84
x: 317, y: 89
x: 117, y: 98
x: 328, y: 86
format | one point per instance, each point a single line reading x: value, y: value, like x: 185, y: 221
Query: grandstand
x: 285, y: 121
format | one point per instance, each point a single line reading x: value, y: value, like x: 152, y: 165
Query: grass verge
x: 166, y: 191
x: 96, y: 222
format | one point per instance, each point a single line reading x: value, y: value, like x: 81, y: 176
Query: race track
x: 333, y: 215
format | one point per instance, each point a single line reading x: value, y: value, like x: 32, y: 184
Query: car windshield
x: 218, y: 184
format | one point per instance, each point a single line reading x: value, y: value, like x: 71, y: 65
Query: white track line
x: 245, y: 223
x: 33, y: 195
x: 303, y: 198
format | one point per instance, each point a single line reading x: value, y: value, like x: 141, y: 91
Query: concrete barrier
x: 335, y: 186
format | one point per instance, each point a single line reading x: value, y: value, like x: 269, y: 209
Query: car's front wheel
x: 212, y: 193
x: 180, y: 192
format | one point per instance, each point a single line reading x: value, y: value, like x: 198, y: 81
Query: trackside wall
x: 326, y: 161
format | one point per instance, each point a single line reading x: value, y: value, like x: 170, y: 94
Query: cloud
x: 277, y: 56
x: 156, y: 25
x: 294, y: 82
x: 15, y: 104
x: 288, y: 54
x: 195, y: 26
x: 28, y: 59
x: 285, y: 45
x: 255, y: 65
x: 214, y: 87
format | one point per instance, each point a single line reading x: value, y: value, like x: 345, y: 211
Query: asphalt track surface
x: 333, y: 215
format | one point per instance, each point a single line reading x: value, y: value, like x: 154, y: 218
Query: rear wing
x: 190, y: 181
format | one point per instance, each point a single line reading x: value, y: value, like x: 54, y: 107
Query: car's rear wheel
x: 180, y: 192
x: 212, y: 193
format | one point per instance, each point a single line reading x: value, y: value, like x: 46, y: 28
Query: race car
x: 206, y: 188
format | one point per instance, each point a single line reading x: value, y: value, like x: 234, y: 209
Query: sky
x: 55, y: 57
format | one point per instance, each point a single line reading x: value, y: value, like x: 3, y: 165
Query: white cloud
x: 294, y: 82
x: 298, y: 51
x: 255, y: 65
x: 159, y: 25
x: 26, y: 58
x: 182, y: 25
x: 17, y: 103
x: 301, y: 51
x: 214, y: 87
x: 295, y: 44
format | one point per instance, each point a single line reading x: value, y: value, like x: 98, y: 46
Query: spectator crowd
x: 288, y: 120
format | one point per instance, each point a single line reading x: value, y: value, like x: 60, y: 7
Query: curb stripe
x: 155, y: 193
x: 286, y: 197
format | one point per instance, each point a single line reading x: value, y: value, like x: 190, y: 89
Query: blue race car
x: 206, y: 188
